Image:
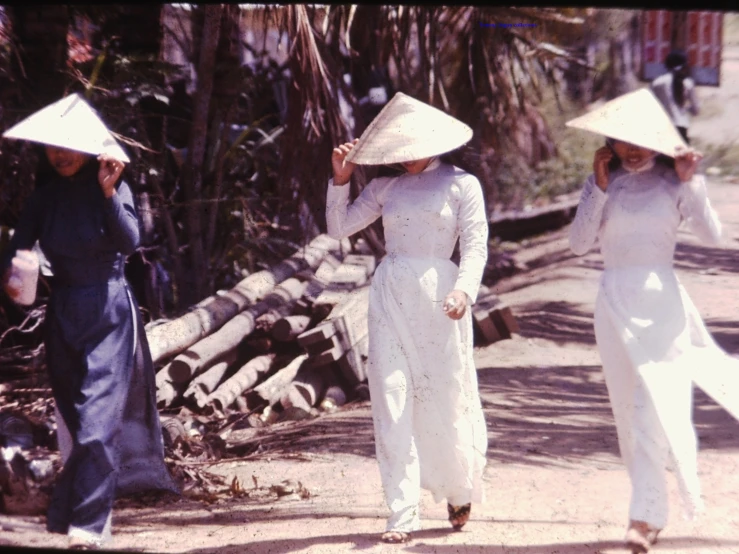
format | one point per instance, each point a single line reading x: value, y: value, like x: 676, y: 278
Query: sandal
x: 652, y: 535
x: 395, y: 537
x: 458, y: 515
x: 640, y: 536
x: 77, y: 543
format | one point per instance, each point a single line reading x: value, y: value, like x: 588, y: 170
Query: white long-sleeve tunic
x: 429, y: 424
x: 645, y: 322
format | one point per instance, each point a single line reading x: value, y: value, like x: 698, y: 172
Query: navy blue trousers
x: 105, y: 392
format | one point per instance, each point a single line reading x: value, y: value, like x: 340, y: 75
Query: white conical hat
x: 638, y: 118
x: 407, y: 129
x: 69, y: 123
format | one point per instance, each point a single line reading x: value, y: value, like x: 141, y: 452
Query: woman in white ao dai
x: 428, y: 421
x: 652, y: 341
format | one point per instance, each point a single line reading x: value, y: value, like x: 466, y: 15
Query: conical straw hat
x: 407, y: 129
x: 69, y: 123
x: 638, y: 118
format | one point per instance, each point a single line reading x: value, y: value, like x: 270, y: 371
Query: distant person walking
x: 676, y: 91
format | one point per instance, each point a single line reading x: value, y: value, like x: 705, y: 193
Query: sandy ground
x: 554, y: 482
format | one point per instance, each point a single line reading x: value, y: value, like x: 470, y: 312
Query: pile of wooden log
x: 289, y: 340
x: 242, y: 349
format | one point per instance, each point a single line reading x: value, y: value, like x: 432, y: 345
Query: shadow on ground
x: 562, y: 415
x: 557, y: 321
x: 697, y: 257
x: 366, y: 541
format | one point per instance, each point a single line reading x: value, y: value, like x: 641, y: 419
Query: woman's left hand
x: 686, y: 164
x: 455, y: 304
x: 109, y: 173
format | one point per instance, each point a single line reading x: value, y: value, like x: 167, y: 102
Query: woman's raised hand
x: 108, y: 174
x: 342, y: 169
x: 600, y: 166
x: 686, y: 164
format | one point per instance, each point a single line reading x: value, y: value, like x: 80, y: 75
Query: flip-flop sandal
x: 652, y: 535
x: 396, y: 537
x: 637, y: 538
x: 81, y: 544
x: 458, y: 512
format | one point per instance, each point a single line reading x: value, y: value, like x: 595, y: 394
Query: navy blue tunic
x: 97, y: 355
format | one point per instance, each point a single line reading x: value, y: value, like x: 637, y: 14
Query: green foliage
x: 523, y: 185
x: 725, y: 157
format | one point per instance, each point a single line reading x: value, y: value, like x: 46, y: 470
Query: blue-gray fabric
x: 97, y: 355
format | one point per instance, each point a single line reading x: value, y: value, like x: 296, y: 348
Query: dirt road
x: 554, y: 482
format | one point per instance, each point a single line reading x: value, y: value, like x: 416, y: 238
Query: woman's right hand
x: 602, y: 158
x: 342, y: 169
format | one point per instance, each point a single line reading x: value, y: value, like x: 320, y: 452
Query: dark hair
x: 615, y: 162
x: 674, y: 60
x: 466, y: 158
x: 44, y: 170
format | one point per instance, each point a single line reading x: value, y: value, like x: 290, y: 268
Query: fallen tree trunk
x: 514, y: 225
x: 167, y: 391
x: 354, y: 272
x: 306, y: 390
x: 174, y: 336
x: 267, y: 321
x: 204, y: 384
x: 274, y: 388
x: 289, y: 327
x: 195, y: 358
x: 333, y: 398
x: 242, y: 380
x: 317, y: 282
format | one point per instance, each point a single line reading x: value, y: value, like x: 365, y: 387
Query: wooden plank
x: 481, y: 320
x: 353, y: 273
x: 505, y: 322
x: 317, y: 334
x: 362, y: 260
x: 327, y: 357
x: 353, y: 364
x: 486, y: 327
x: 318, y: 347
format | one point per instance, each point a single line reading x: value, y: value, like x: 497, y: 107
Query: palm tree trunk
x: 193, y: 171
x: 226, y: 80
